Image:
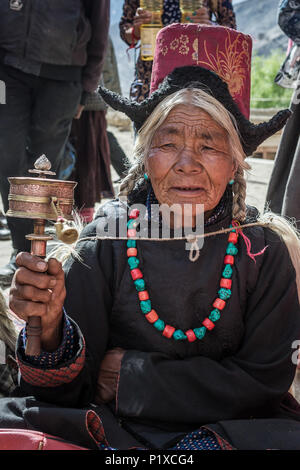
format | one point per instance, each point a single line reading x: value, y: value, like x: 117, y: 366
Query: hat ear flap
x: 119, y: 103
x: 253, y: 135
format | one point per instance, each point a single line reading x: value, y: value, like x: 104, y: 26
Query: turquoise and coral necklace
x: 168, y: 331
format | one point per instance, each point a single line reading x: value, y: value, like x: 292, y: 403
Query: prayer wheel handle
x: 34, y: 325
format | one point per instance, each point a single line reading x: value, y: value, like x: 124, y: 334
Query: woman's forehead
x: 188, y: 116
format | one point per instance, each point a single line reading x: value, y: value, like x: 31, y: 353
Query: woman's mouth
x: 188, y: 191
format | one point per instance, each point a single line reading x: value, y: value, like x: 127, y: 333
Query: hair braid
x: 239, y: 196
x: 135, y: 173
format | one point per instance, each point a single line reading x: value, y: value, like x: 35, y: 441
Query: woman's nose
x: 187, y: 162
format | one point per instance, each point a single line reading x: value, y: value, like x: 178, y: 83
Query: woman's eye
x: 169, y: 145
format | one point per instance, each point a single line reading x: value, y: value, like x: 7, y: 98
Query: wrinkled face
x: 189, y: 160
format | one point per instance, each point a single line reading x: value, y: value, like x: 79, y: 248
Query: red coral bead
x: 131, y: 252
x: 208, y: 324
x: 143, y: 295
x: 190, y: 336
x: 219, y: 304
x: 136, y: 274
x: 226, y: 283
x: 233, y: 238
x: 229, y: 259
x: 168, y: 331
x: 134, y: 214
x: 131, y: 232
x: 152, y: 316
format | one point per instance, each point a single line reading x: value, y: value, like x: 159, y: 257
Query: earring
x: 231, y: 182
x: 146, y: 177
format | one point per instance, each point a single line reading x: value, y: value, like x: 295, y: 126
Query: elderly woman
x: 133, y: 17
x: 171, y: 351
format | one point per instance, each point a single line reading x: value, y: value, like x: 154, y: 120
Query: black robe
x: 234, y: 381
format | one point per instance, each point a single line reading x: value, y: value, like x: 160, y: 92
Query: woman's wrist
x: 132, y: 37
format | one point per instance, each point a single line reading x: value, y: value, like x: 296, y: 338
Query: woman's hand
x: 200, y: 16
x: 79, y: 110
x: 38, y: 289
x: 141, y: 17
x: 108, y: 377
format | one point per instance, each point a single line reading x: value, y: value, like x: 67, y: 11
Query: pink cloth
x: 87, y: 214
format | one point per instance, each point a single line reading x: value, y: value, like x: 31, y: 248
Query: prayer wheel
x: 41, y: 199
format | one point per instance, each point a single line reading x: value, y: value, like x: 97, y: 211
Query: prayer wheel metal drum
x: 40, y: 198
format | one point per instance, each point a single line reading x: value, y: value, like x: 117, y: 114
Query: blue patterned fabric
x: 171, y: 12
x: 202, y: 439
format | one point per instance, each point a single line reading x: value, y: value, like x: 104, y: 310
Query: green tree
x: 264, y: 92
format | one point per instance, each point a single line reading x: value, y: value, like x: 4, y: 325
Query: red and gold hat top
x: 222, y: 50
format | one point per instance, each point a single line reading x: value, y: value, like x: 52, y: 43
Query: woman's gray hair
x: 207, y: 103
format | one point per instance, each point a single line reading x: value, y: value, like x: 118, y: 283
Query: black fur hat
x: 196, y: 76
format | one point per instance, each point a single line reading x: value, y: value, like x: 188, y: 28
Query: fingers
x: 55, y: 268
x: 200, y: 16
x: 24, y: 276
x: 201, y: 11
x: 38, y: 273
x: 33, y: 290
x: 142, y: 16
x: 25, y: 309
x: 34, y: 263
x: 141, y: 12
x: 31, y: 293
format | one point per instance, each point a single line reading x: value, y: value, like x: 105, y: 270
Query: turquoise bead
x: 215, y: 315
x: 224, y: 294
x: 159, y: 325
x: 131, y: 244
x: 227, y: 273
x: 146, y: 306
x: 140, y: 285
x: 178, y: 335
x: 132, y: 223
x: 200, y: 332
x: 133, y: 262
x: 231, y: 249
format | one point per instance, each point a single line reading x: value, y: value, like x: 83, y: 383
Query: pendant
x: 16, y: 5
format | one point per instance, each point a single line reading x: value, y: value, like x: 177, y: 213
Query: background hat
x: 213, y: 58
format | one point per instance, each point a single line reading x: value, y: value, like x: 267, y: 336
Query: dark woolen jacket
x: 241, y: 370
x: 66, y: 37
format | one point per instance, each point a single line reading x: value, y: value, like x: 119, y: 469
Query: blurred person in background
x: 283, y: 195
x: 51, y: 55
x: 111, y: 81
x: 96, y: 147
x: 133, y: 17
